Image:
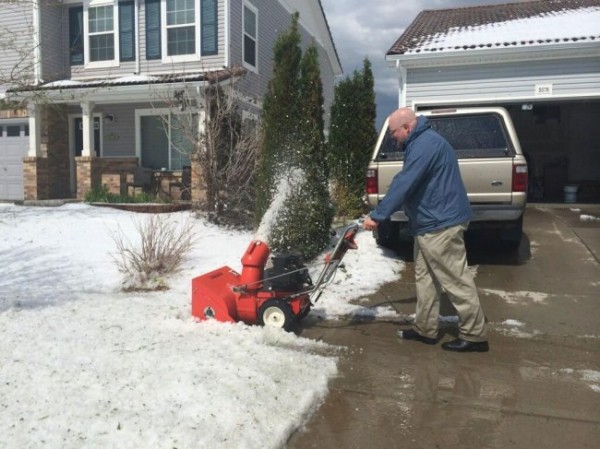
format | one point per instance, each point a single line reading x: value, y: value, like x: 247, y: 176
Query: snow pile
x: 83, y: 364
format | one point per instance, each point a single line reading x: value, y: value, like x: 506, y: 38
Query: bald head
x: 401, y: 122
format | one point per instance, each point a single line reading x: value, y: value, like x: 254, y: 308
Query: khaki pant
x: 441, y: 265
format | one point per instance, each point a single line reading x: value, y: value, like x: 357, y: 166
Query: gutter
x: 37, y: 39
x: 490, y: 55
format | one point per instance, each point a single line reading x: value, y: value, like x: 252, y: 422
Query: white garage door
x: 14, y: 143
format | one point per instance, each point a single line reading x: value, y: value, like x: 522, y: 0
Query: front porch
x: 86, y: 135
x: 72, y: 154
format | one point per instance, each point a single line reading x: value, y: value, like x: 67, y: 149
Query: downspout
x: 227, y: 33
x: 136, y: 7
x: 402, y: 83
x: 37, y: 39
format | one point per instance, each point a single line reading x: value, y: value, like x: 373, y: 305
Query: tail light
x: 519, y: 180
x: 371, y: 182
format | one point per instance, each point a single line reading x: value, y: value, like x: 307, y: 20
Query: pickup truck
x: 492, y: 165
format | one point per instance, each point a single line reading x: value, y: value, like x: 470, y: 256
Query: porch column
x: 35, y: 164
x: 35, y: 130
x: 87, y: 123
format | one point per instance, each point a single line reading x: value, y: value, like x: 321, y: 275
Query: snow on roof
x: 500, y: 26
x: 529, y: 31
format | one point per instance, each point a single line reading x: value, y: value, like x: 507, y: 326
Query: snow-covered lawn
x: 83, y: 364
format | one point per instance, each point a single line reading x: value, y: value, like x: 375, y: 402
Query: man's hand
x: 369, y: 224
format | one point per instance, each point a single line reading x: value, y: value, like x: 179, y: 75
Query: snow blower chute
x: 277, y: 296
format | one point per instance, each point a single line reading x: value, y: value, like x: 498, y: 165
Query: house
x: 538, y: 59
x: 95, y: 75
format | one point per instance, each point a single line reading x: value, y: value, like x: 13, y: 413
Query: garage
x: 539, y: 60
x: 561, y: 141
x: 14, y: 143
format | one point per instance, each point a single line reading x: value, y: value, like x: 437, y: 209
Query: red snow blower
x: 278, y: 296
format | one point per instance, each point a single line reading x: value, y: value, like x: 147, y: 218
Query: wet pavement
x: 538, y: 387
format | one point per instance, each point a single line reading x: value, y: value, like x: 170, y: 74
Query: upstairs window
x: 181, y: 27
x: 181, y: 19
x: 181, y: 30
x: 250, y: 46
x: 102, y: 33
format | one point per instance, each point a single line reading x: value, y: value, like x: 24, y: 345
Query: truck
x: 492, y: 165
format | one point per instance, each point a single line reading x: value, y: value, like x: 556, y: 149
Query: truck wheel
x: 387, y: 234
x: 511, y: 238
x: 276, y: 313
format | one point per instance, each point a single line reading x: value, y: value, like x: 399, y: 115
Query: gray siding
x: 273, y: 19
x: 16, y: 43
x: 493, y: 82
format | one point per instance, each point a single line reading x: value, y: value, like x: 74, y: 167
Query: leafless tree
x: 222, y: 144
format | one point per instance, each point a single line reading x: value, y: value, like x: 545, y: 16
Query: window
x: 101, y: 33
x: 181, y: 23
x: 166, y: 139
x: 250, y: 36
x: 13, y: 131
x: 181, y: 29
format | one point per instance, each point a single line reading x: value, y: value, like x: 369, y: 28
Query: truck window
x: 390, y: 149
x: 474, y: 135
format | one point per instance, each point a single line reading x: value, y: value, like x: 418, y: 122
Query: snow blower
x: 278, y: 296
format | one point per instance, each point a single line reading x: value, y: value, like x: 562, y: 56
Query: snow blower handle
x: 333, y: 259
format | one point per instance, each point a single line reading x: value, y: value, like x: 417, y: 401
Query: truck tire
x: 511, y: 237
x: 387, y: 234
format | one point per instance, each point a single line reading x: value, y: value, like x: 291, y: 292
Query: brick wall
x: 96, y: 172
x: 35, y: 178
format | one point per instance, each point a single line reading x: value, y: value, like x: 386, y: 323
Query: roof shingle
x: 502, y: 25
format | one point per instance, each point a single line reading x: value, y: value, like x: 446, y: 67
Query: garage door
x: 14, y: 143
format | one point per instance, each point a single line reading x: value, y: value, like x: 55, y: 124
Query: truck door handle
x: 496, y: 183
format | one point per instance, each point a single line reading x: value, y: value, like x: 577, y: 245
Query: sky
x: 369, y: 28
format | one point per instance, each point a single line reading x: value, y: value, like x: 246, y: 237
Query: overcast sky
x: 368, y: 28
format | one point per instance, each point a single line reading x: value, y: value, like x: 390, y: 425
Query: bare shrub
x: 159, y: 251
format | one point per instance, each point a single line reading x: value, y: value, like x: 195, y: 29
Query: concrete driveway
x: 538, y: 387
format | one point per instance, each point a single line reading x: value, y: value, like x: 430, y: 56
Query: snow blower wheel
x: 276, y: 313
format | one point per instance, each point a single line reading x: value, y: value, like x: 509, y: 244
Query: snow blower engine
x: 277, y: 296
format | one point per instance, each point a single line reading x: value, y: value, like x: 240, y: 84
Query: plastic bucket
x: 571, y: 193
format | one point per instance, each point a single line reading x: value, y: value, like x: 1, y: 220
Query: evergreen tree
x: 304, y: 222
x: 280, y: 114
x: 352, y: 138
x: 293, y: 144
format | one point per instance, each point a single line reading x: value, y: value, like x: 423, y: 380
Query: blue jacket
x: 429, y: 187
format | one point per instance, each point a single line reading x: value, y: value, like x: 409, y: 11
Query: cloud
x: 369, y: 28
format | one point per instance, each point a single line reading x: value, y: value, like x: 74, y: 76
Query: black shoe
x: 459, y: 345
x: 414, y: 335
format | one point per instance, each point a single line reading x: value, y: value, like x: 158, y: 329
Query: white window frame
x: 192, y: 57
x: 251, y: 7
x: 87, y: 4
x: 167, y: 112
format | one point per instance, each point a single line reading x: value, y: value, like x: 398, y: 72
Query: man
x: 430, y: 191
